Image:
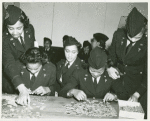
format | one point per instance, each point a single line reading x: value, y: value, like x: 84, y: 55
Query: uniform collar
x: 36, y: 74
x: 70, y: 63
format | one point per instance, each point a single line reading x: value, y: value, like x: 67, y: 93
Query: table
x: 49, y: 107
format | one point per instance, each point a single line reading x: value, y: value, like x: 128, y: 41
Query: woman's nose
x: 15, y: 32
x: 70, y: 54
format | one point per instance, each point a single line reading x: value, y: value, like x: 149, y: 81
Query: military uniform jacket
x: 63, y: 78
x: 12, y: 50
x: 84, y: 56
x: 46, y: 77
x: 84, y: 79
x: 132, y: 65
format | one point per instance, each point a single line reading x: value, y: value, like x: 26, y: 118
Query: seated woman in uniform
x: 85, y: 51
x: 67, y: 66
x: 94, y: 82
x: 38, y: 75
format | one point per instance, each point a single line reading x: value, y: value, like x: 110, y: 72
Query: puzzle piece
x: 92, y: 108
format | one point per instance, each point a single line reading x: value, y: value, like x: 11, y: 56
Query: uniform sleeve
x: 74, y: 81
x: 143, y: 87
x: 10, y: 65
x: 112, y: 59
x: 32, y: 32
x: 52, y: 81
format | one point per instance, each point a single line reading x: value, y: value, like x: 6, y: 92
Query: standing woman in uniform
x: 128, y: 60
x: 67, y: 66
x: 17, y: 38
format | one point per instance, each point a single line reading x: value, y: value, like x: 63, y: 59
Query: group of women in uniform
x: 121, y: 73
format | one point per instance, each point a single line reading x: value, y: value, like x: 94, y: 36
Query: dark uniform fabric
x: 83, y: 56
x: 51, y: 54
x: 98, y: 58
x: 46, y: 77
x: 84, y: 79
x: 132, y: 65
x: 11, y: 52
x: 143, y: 101
x: 61, y: 82
x: 14, y: 14
x: 135, y: 22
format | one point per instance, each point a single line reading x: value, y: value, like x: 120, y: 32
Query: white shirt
x: 133, y: 40
x: 22, y: 35
x: 69, y: 64
x: 36, y: 74
x: 47, y: 49
x: 98, y: 78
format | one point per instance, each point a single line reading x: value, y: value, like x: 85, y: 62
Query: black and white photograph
x: 74, y: 60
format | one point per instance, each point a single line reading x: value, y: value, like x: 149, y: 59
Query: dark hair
x: 86, y: 43
x: 65, y: 37
x: 47, y: 39
x: 72, y: 41
x: 103, y: 44
x: 34, y: 55
x: 23, y: 19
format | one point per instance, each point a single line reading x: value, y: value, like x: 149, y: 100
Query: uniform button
x: 140, y: 72
x: 124, y: 72
x: 126, y: 65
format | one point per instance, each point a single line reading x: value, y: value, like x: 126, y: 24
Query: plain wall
x: 80, y: 20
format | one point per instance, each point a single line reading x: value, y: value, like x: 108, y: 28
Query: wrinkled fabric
x: 97, y: 58
x: 13, y: 14
x: 135, y: 22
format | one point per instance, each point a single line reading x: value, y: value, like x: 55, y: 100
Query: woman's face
x: 96, y: 72
x: 71, y: 53
x: 86, y: 49
x: 33, y: 67
x: 16, y: 29
x: 94, y: 43
x: 47, y: 44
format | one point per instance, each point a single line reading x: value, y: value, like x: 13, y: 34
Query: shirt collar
x: 36, y: 74
x: 22, y: 34
x: 98, y: 79
x: 70, y: 63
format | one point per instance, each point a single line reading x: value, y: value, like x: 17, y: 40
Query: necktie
x: 129, y: 46
x: 22, y: 42
x: 95, y: 83
x: 32, y: 80
x: 67, y: 65
x: 65, y: 68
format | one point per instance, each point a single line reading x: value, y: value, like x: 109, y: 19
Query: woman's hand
x: 113, y: 73
x: 41, y: 90
x: 134, y: 97
x: 109, y: 97
x: 23, y: 98
x: 79, y: 94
